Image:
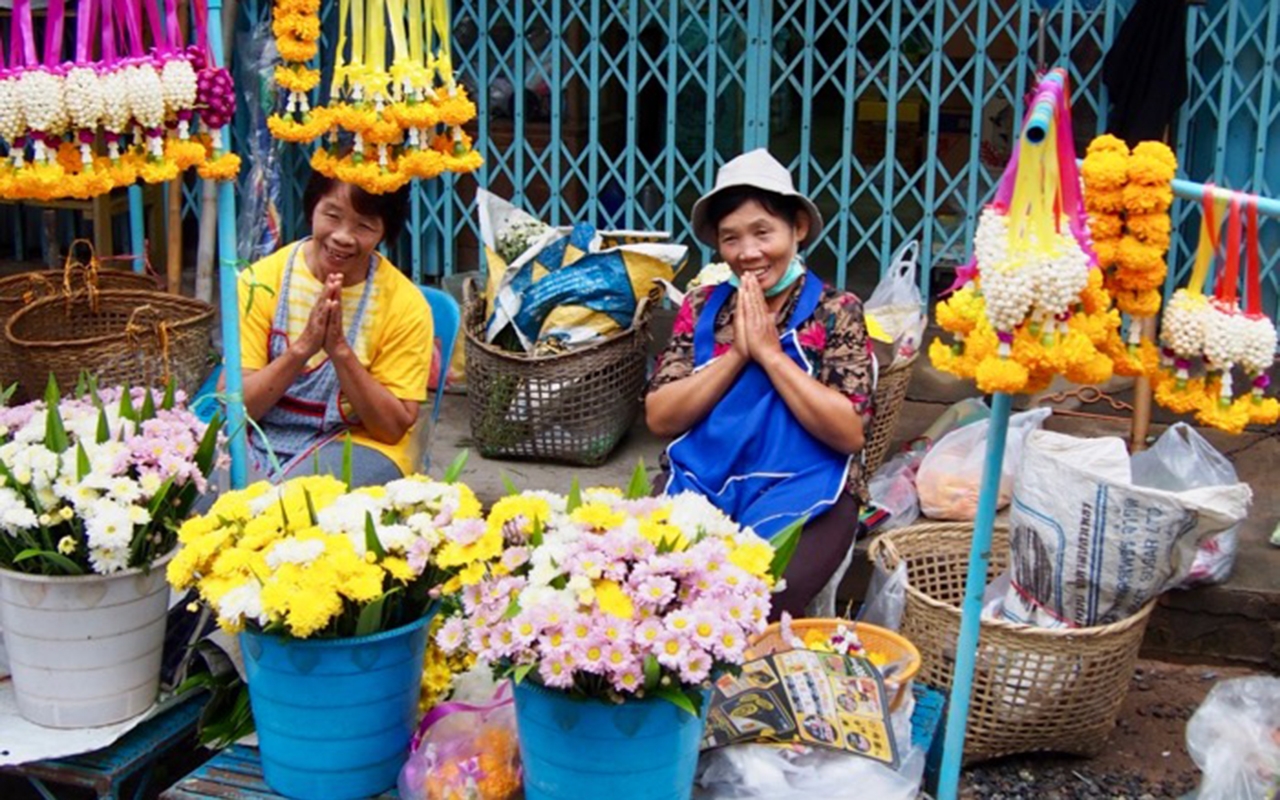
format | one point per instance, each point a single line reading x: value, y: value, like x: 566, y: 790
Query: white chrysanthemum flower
x: 294, y: 551
x: 14, y: 514
x: 242, y: 603
x: 348, y: 515
x: 692, y: 513
x: 108, y: 526
x: 108, y: 560
x: 407, y: 492
x: 396, y: 538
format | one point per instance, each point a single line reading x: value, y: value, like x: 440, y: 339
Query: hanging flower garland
x: 1031, y: 305
x: 383, y: 125
x: 1127, y: 196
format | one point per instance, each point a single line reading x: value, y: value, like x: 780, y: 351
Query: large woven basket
x: 571, y: 407
x: 891, y: 393
x: 17, y: 291
x: 1034, y: 689
x: 135, y: 337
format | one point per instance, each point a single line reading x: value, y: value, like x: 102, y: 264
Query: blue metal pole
x: 971, y: 611
x: 227, y: 291
x: 137, y: 234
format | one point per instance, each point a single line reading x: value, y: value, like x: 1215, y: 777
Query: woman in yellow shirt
x: 335, y: 339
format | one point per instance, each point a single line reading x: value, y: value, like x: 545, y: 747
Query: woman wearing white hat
x: 767, y: 379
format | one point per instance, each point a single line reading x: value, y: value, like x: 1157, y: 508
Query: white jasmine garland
x: 1182, y: 327
x: 1257, y: 345
x: 13, y: 118
x: 146, y: 95
x: 116, y: 108
x: 82, y: 92
x: 178, y: 81
x: 40, y: 94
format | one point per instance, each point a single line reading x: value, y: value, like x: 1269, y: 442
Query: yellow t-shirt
x: 393, y: 343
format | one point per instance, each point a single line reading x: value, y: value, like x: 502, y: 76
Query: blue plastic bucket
x: 334, y: 716
x: 575, y: 748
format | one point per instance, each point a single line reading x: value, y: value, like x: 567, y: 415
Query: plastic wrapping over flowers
x: 157, y: 110
x: 382, y: 125
x: 1032, y: 304
x: 612, y: 597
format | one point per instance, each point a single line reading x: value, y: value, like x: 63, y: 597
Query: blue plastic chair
x: 446, y: 320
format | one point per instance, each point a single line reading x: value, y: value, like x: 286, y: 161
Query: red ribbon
x: 1254, y: 279
x: 1229, y: 280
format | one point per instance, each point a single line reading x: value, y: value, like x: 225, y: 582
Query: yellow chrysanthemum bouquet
x: 382, y: 125
x: 1032, y: 304
x: 312, y: 558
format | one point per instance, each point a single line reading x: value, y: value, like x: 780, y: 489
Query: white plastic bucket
x: 84, y: 650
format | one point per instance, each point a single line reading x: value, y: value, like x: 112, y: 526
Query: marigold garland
x: 225, y: 167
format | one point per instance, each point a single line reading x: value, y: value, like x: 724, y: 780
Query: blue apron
x: 750, y: 456
x: 309, y: 413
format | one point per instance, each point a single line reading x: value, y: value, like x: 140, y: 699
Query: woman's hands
x: 755, y: 329
x: 324, y: 325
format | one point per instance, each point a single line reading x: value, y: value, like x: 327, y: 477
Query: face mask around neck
x: 794, y: 270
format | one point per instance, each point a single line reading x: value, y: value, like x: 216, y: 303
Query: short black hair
x: 389, y: 207
x: 724, y: 203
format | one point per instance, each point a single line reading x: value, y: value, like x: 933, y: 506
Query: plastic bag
x: 465, y: 750
x: 893, y: 488
x: 1234, y: 738
x: 1183, y: 459
x: 951, y: 473
x: 1088, y: 547
x: 888, y: 593
x: 895, y: 309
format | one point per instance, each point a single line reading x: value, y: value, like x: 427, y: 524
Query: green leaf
x: 509, y: 486
x: 170, y: 395
x: 208, y: 447
x: 784, y: 547
x: 158, y: 498
x: 58, y: 559
x: 346, y: 460
x: 126, y: 404
x: 652, y: 673
x: 535, y: 537
x: 455, y: 467
x: 82, y: 462
x: 148, y: 406
x: 677, y: 698
x: 55, y: 433
x: 370, y: 620
x: 640, y: 485
x: 521, y: 672
x: 575, y: 496
x: 93, y: 391
x: 104, y: 427
x: 311, y: 507
x: 371, y: 541
x: 513, y: 608
x: 82, y: 385
x: 7, y: 392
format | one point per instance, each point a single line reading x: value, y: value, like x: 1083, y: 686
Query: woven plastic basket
x: 571, y: 407
x: 135, y: 337
x: 875, y: 639
x: 17, y: 291
x: 891, y: 393
x: 1034, y: 689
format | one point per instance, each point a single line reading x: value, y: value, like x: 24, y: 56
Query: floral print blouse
x: 834, y: 339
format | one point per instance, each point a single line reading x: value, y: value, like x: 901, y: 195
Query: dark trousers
x: 825, y: 541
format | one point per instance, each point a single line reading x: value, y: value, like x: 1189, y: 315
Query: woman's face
x: 342, y: 238
x: 752, y: 240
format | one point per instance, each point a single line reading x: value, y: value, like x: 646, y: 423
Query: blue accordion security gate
x: 895, y: 115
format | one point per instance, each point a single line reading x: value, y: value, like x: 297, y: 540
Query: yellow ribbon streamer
x: 396, y: 22
x: 339, y: 67
x: 440, y: 20
x: 415, y: 32
x: 1205, y: 248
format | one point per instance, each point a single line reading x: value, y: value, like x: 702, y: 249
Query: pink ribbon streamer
x: 23, y: 38
x: 128, y: 12
x: 85, y: 17
x: 200, y: 10
x: 501, y: 697
x: 172, y: 30
x: 55, y: 21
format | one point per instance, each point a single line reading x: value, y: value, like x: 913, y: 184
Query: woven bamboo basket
x: 136, y: 337
x: 570, y: 407
x: 17, y: 291
x: 1034, y: 689
x: 891, y: 393
x: 895, y: 649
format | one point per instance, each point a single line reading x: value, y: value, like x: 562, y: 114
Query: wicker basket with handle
x: 569, y: 407
x: 22, y: 289
x: 891, y: 393
x: 135, y: 337
x: 1034, y: 689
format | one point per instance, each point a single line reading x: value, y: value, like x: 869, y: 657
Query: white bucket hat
x: 760, y: 170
